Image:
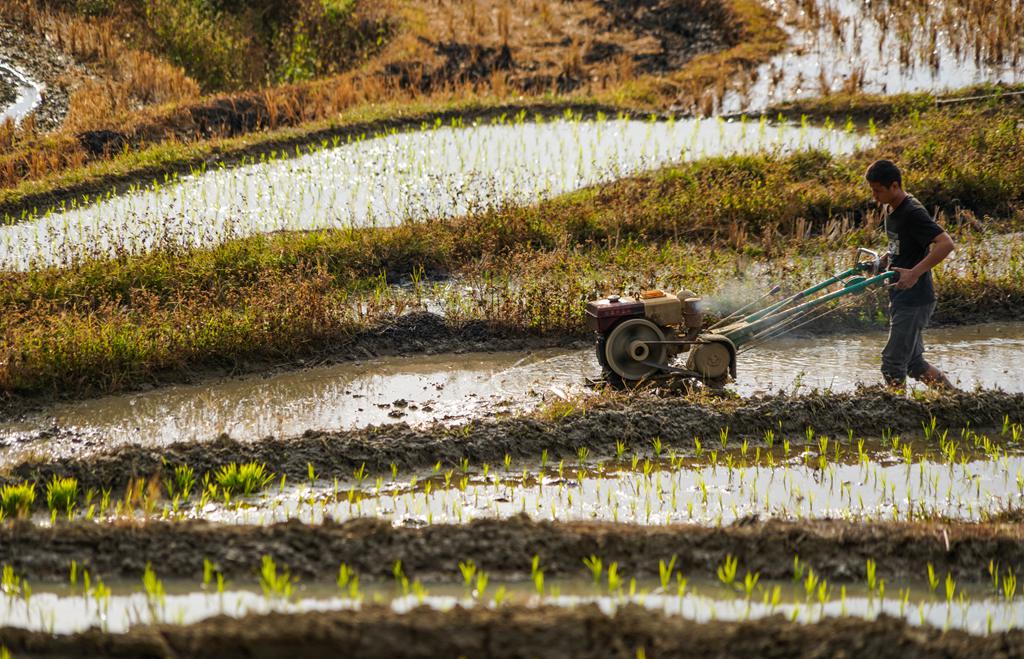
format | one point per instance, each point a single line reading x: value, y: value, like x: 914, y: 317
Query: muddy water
x: 855, y: 46
x: 414, y: 176
x: 29, y: 94
x: 455, y: 388
x: 65, y: 610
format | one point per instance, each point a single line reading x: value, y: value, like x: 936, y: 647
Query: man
x: 916, y: 245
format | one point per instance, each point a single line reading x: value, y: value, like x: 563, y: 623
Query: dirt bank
x: 836, y: 549
x: 514, y: 631
x: 635, y: 419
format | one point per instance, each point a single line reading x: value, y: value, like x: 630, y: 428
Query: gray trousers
x: 903, y: 354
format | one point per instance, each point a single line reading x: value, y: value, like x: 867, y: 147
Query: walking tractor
x: 644, y: 339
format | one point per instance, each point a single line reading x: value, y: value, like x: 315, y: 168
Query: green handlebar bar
x: 741, y: 330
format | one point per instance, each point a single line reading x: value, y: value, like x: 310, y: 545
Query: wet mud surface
x: 455, y: 388
x: 634, y: 420
x: 835, y: 549
x: 418, y: 333
x: 514, y: 631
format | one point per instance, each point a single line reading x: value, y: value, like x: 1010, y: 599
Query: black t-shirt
x: 911, y: 229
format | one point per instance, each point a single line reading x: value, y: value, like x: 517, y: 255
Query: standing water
x: 886, y: 47
x: 457, y: 388
x: 415, y: 176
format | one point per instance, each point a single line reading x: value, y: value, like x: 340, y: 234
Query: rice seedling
x: 244, y: 479
x: 181, y: 482
x: 17, y: 500
x: 61, y: 495
x: 275, y: 585
x: 156, y: 596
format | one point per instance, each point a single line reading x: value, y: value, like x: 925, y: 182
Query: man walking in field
x: 916, y: 245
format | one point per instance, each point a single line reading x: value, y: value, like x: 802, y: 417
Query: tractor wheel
x: 626, y: 349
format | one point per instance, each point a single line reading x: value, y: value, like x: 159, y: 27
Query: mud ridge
x: 634, y: 419
x: 516, y: 631
x: 836, y: 549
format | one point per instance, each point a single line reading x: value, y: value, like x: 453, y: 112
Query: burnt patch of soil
x: 679, y: 27
x: 836, y: 549
x: 635, y: 420
x: 517, y: 631
x: 460, y: 64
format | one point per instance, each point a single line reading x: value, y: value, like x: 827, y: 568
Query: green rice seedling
x: 614, y: 580
x: 798, y: 569
x: 10, y: 584
x: 727, y: 571
x: 593, y: 563
x: 468, y: 570
x: 810, y: 582
x: 620, y: 448
x: 17, y: 500
x: 244, y: 479
x: 665, y: 571
x: 1009, y: 585
x: 933, y: 581
x: 273, y: 584
x: 749, y: 583
x: 61, y: 494
x: 345, y: 575
x: 950, y: 587
x: 182, y: 480
x: 872, y: 580
x: 481, y: 585
x: 156, y: 596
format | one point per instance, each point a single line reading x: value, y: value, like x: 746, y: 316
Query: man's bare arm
x: 940, y: 249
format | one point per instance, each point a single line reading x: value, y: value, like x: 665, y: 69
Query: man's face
x: 884, y: 194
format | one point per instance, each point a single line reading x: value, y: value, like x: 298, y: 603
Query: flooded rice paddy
x: 425, y: 175
x: 455, y: 388
x: 885, y: 47
x: 709, y: 482
x: 118, y: 607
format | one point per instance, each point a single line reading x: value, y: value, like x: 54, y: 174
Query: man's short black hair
x: 885, y: 172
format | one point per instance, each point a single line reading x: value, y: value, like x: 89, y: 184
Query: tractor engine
x: 638, y: 337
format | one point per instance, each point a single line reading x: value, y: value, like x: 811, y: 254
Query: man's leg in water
x: 904, y: 353
x: 900, y: 347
